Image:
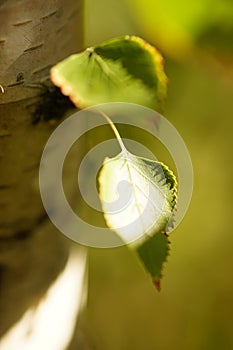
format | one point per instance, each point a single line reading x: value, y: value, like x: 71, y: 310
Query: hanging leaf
x: 121, y: 70
x: 153, y: 253
x: 138, y: 197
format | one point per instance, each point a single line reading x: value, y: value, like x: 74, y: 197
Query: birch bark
x: 34, y: 35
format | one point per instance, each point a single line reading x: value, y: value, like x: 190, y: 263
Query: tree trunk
x: 34, y: 35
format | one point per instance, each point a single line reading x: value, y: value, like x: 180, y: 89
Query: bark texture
x: 34, y: 35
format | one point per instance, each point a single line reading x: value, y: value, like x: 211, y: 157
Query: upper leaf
x: 121, y: 70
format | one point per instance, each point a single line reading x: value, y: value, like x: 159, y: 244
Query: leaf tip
x: 157, y: 284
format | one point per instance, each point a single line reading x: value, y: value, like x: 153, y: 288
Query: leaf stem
x: 116, y: 132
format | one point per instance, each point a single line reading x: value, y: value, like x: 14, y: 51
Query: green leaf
x: 153, y: 253
x: 138, y: 197
x: 121, y: 70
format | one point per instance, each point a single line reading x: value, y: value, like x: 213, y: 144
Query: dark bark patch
x: 22, y: 23
x: 42, y: 69
x: 20, y: 77
x: 5, y: 187
x: 49, y: 15
x: 32, y: 48
x: 52, y: 105
x: 4, y: 134
x: 15, y: 84
x: 24, y: 234
x: 21, y: 235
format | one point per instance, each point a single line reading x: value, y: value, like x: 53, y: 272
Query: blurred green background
x: 194, y: 310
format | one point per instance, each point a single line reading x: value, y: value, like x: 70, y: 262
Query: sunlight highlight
x: 50, y: 326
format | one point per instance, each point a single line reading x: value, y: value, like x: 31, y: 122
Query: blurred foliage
x: 194, y: 310
x: 179, y: 27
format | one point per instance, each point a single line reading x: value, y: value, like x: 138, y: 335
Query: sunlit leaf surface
x: 121, y: 70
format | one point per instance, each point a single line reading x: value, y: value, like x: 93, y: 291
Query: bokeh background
x: 194, y: 310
